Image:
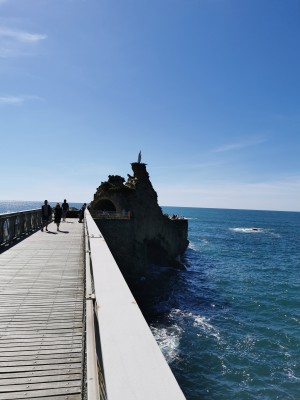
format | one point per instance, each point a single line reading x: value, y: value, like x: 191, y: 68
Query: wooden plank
x: 46, y: 326
x: 43, y: 374
x: 62, y: 397
x: 38, y: 356
x: 38, y: 367
x: 36, y: 318
x: 50, y: 335
x: 38, y: 379
x: 17, y: 387
x: 39, y: 393
x: 45, y: 341
x: 17, y: 331
x: 40, y: 361
x: 5, y: 351
x: 44, y: 308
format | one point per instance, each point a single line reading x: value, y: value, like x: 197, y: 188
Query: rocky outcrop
x: 137, y: 231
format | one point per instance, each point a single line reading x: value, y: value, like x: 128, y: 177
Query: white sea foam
x: 168, y: 340
x: 206, y: 327
x: 248, y: 230
x: 193, y: 246
x: 291, y: 375
x: 200, y: 243
x: 205, y: 241
x: 200, y: 322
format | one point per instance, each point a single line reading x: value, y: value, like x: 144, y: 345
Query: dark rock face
x: 144, y: 235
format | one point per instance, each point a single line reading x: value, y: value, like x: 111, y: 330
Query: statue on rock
x: 140, y: 157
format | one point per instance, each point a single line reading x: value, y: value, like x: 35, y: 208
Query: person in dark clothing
x: 81, y: 212
x: 65, y: 209
x: 46, y: 215
x: 57, y: 215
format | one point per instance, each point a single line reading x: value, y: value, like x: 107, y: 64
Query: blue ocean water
x: 229, y: 324
x: 8, y: 206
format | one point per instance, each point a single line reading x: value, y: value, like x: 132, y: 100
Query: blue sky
x: 208, y: 90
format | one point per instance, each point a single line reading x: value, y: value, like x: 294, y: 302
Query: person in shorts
x: 65, y: 209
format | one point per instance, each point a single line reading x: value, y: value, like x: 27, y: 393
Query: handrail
x: 100, y: 214
x: 14, y: 225
x: 92, y: 358
x: 130, y: 363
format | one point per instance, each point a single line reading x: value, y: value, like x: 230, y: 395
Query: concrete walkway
x: 41, y: 315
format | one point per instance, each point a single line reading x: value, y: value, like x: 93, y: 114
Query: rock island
x: 134, y: 226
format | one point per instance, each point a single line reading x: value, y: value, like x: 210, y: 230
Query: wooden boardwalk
x: 41, y: 315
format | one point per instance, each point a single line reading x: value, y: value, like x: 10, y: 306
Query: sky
x: 207, y: 90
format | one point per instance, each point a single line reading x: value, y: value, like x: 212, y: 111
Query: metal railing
x: 96, y: 389
x: 99, y: 214
x: 15, y: 225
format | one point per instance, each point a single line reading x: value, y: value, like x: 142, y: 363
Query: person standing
x: 65, y: 209
x: 57, y: 215
x: 46, y: 215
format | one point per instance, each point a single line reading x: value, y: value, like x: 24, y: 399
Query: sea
x: 228, y: 323
x: 9, y: 206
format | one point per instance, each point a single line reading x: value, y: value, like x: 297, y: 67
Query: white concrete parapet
x: 133, y: 365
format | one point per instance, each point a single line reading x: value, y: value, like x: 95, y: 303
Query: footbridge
x: 69, y: 326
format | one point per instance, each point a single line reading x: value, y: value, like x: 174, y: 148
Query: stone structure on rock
x: 134, y: 226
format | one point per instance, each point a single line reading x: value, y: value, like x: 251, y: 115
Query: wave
x: 169, y: 337
x: 193, y: 246
x: 198, y: 321
x: 256, y: 230
x: 248, y: 230
x: 206, y: 327
x: 168, y: 340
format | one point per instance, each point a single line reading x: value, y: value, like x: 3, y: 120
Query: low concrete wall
x: 133, y: 365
